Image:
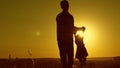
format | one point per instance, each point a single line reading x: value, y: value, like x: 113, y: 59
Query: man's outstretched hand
x: 83, y: 28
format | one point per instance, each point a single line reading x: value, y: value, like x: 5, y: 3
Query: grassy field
x: 55, y: 63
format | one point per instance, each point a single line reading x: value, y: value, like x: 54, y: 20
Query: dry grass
x: 55, y: 63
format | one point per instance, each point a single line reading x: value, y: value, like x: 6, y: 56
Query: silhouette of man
x: 65, y: 31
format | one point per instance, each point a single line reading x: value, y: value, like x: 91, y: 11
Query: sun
x: 80, y: 33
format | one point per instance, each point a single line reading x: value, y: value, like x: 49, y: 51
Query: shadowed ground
x: 55, y: 63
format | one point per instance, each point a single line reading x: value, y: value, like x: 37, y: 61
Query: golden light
x: 37, y: 33
x: 80, y: 33
x: 90, y: 37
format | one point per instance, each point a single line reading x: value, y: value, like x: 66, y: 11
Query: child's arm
x: 79, y: 28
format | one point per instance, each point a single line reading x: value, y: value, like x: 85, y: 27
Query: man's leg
x: 70, y: 55
x: 63, y: 60
x: 70, y: 61
x: 63, y: 55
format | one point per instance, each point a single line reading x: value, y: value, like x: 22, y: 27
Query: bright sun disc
x: 80, y: 33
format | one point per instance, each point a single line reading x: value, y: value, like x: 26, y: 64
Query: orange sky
x: 31, y: 25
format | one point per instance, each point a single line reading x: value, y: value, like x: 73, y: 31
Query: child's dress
x: 81, y: 50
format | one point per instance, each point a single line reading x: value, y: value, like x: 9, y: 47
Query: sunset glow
x: 80, y: 33
x: 31, y: 25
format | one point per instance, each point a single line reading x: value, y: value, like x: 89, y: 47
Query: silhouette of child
x: 81, y: 52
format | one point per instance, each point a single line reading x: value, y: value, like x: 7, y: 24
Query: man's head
x: 64, y: 5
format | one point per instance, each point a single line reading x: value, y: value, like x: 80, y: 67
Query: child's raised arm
x: 79, y: 28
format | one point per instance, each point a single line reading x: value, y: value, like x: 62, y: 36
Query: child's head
x: 79, y: 37
x: 81, y: 32
x: 79, y: 40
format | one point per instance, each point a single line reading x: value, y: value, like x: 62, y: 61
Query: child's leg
x: 84, y: 60
x: 80, y: 61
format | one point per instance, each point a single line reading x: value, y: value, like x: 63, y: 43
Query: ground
x: 55, y: 63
